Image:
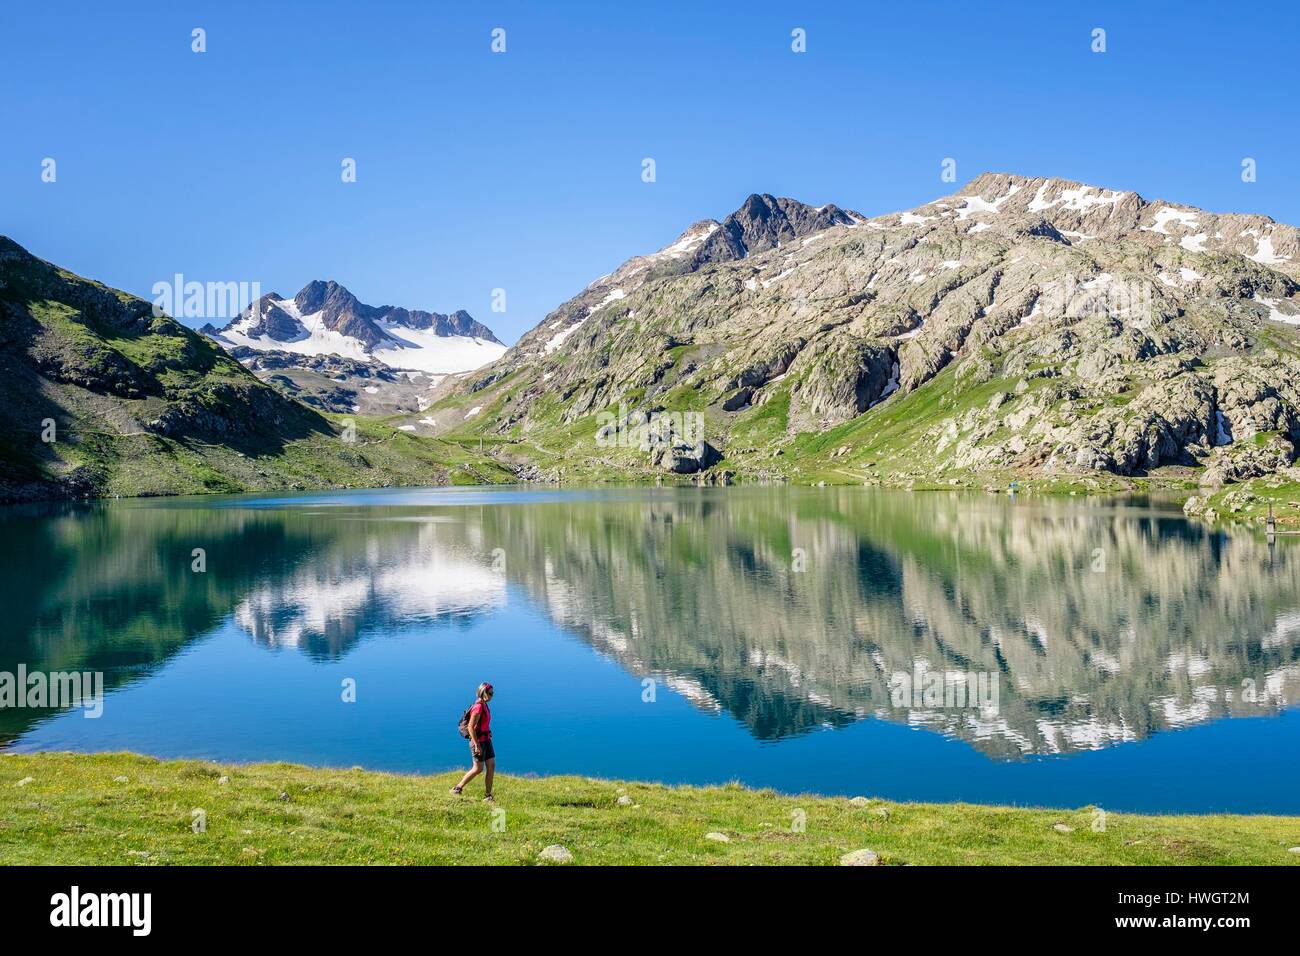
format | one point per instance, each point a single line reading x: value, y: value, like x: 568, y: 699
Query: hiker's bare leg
x: 470, y: 774
x: 491, y: 764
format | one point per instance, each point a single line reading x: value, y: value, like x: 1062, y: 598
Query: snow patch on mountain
x: 1168, y: 214
x: 1264, y: 252
x: 425, y: 351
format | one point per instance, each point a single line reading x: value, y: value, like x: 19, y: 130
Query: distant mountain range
x: 1028, y: 330
x: 326, y: 319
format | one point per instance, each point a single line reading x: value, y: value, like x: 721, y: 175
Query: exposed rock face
x: 1243, y: 460
x: 764, y: 369
x: 764, y: 222
x: 340, y: 311
x: 335, y: 365
x: 737, y: 400
x: 1123, y: 335
x: 459, y: 322
x: 843, y: 377
x: 1169, y: 422
x: 271, y: 320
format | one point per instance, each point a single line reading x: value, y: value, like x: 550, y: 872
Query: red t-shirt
x: 484, y: 720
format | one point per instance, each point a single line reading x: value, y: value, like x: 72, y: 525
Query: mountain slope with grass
x: 98, y: 396
x: 1023, y: 329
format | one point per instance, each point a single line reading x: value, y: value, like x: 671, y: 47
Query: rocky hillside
x: 98, y: 396
x: 1020, y: 329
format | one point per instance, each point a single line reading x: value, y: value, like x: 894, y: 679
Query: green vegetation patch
x: 71, y: 809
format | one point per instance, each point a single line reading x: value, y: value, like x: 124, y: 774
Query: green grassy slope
x: 128, y: 809
x: 98, y: 396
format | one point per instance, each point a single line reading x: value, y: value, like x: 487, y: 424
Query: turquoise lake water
x: 1130, y: 659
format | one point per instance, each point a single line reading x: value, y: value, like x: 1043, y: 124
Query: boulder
x: 860, y: 858
x: 683, y: 459
x: 555, y: 854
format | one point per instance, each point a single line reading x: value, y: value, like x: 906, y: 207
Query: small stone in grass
x: 1294, y: 849
x: 717, y: 837
x: 24, y: 782
x: 881, y: 812
x: 625, y: 801
x: 555, y: 854
x: 1062, y: 828
x: 141, y: 853
x: 860, y: 858
x: 284, y: 795
x: 859, y: 801
x: 122, y: 779
x: 222, y: 781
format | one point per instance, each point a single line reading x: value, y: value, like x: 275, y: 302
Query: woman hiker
x: 477, y: 726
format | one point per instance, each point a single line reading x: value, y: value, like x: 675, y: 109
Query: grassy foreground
x: 128, y: 809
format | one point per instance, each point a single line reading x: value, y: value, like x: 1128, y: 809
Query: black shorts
x: 485, y: 748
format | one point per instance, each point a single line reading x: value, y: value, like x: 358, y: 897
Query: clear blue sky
x: 523, y: 170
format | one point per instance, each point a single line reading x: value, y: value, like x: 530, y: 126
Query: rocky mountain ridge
x: 1021, y: 326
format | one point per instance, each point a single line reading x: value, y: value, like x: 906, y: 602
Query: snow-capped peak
x: 324, y: 318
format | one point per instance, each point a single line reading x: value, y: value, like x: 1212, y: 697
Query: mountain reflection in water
x: 787, y: 609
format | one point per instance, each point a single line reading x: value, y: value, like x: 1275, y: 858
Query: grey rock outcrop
x: 686, y: 459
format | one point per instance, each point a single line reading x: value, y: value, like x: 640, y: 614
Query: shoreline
x: 1237, y: 505
x: 126, y: 808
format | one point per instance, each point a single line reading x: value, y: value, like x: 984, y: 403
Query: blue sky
x: 522, y: 170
